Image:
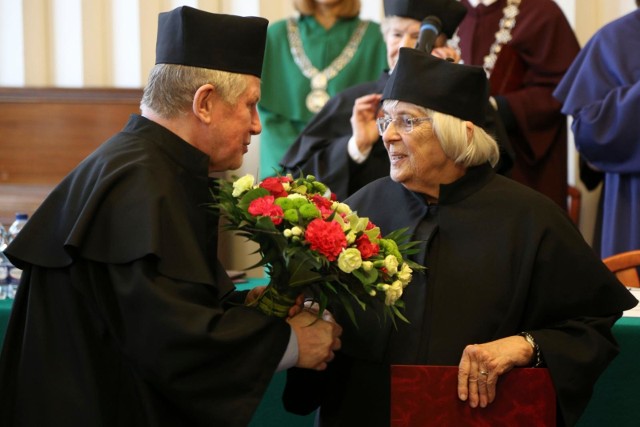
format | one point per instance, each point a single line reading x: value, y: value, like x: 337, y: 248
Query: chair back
x: 574, y: 198
x: 625, y: 266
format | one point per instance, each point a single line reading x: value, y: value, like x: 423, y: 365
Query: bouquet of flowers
x: 310, y: 243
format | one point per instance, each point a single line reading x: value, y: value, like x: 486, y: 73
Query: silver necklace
x: 319, y: 79
x: 502, y: 36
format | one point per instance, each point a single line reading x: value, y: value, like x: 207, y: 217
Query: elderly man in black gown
x: 124, y: 316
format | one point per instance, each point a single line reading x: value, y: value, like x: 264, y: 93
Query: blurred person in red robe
x: 525, y: 47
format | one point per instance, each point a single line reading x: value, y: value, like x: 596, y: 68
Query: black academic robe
x: 120, y: 318
x: 321, y: 147
x: 501, y: 259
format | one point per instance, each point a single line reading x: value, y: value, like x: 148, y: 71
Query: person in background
x: 124, y: 316
x: 601, y: 91
x: 309, y: 59
x: 510, y: 281
x: 341, y: 146
x: 525, y: 46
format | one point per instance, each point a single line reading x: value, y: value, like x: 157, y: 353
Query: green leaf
x: 398, y: 314
x: 347, y: 307
x: 366, y: 277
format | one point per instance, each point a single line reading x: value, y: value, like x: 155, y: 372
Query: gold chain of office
x: 502, y: 36
x: 318, y: 96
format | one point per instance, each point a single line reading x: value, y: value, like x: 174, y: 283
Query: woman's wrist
x: 536, y: 360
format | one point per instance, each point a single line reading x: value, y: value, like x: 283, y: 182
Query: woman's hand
x: 482, y: 364
x: 314, y: 308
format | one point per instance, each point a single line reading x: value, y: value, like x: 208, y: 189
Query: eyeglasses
x: 404, y: 123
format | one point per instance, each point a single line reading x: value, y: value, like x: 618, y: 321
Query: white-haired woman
x: 509, y: 281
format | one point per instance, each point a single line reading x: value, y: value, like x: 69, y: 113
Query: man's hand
x: 254, y: 294
x: 317, y: 340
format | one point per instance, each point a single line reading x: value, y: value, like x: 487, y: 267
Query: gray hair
x: 452, y: 134
x: 171, y: 87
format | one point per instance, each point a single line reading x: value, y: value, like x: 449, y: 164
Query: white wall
x: 75, y: 43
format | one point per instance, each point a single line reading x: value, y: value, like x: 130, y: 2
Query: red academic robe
x: 527, y: 71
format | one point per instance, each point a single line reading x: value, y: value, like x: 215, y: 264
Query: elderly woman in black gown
x: 510, y: 281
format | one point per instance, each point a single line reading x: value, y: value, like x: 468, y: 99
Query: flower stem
x: 274, y: 303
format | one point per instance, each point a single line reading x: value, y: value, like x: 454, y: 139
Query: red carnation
x: 326, y: 237
x: 366, y: 248
x: 264, y: 206
x: 371, y: 225
x: 274, y: 186
x: 323, y: 204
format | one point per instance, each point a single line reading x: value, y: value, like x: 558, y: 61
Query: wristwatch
x: 537, y: 361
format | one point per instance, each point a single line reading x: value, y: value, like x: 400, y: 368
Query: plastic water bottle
x: 14, y: 229
x: 5, y: 265
x: 14, y: 273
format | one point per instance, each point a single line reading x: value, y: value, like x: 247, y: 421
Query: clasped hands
x: 318, y: 338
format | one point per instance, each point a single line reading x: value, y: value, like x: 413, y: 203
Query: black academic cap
x: 450, y: 12
x: 454, y: 89
x: 189, y: 36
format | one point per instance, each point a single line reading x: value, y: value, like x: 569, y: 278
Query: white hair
x: 454, y: 140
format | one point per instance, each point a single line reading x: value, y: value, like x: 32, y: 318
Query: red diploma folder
x: 428, y: 396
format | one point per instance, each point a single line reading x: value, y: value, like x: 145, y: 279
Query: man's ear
x: 203, y: 102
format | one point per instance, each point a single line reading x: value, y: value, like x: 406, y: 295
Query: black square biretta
x: 422, y: 79
x: 196, y: 38
x: 450, y: 12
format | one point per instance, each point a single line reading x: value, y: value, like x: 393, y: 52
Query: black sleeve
x: 212, y: 363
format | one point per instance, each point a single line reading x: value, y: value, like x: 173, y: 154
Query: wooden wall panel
x: 46, y: 132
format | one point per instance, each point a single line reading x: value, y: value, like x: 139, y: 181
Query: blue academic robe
x: 601, y: 91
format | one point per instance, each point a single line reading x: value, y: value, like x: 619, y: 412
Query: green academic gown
x: 282, y: 106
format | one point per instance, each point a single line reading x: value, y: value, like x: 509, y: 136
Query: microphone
x: 429, y: 31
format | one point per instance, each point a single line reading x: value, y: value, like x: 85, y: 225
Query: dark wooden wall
x: 46, y: 132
